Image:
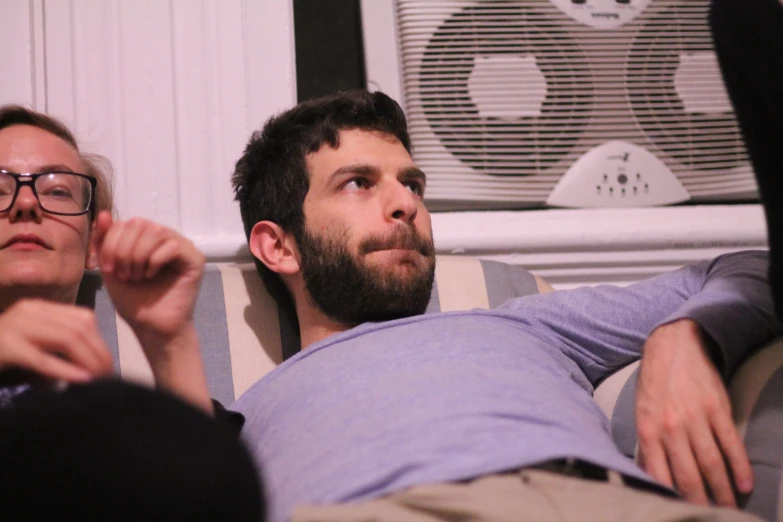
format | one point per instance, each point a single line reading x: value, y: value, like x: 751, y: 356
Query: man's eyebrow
x: 361, y: 169
x: 414, y: 173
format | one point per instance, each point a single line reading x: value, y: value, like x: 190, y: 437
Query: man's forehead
x: 358, y: 146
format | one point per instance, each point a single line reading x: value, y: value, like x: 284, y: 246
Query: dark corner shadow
x: 260, y: 300
x: 88, y: 289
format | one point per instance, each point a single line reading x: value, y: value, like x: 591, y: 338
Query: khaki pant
x: 522, y: 496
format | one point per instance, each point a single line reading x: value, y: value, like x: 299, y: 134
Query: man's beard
x: 349, y: 291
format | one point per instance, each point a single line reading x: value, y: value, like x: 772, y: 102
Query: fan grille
x: 490, y: 136
x: 700, y: 140
x: 516, y: 145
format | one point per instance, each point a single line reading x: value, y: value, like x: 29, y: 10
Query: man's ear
x: 274, y: 247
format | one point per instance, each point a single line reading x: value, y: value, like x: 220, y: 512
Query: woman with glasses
x: 73, y: 442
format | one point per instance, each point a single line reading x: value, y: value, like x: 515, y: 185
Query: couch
x: 244, y: 336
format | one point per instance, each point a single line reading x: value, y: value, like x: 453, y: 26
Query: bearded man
x: 391, y: 414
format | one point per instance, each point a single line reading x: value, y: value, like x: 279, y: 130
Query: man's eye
x: 415, y: 187
x: 356, y: 184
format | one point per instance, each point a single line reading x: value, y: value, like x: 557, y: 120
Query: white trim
x: 228, y: 247
x: 600, y: 230
x: 576, y: 247
x: 571, y: 248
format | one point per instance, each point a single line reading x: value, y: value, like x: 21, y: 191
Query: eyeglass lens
x: 57, y: 192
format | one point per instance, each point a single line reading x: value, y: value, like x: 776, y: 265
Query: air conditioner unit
x: 576, y: 103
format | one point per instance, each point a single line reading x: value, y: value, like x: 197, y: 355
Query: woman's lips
x: 26, y: 242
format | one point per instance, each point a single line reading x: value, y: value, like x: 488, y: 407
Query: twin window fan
x: 560, y: 103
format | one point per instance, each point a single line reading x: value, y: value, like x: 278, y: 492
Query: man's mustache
x: 403, y: 237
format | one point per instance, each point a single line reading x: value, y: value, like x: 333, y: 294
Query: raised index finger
x: 102, y: 225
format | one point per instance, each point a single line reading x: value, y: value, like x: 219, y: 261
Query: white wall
x: 170, y: 90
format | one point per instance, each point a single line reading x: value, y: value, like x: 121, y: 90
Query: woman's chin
x: 37, y: 276
x: 26, y: 275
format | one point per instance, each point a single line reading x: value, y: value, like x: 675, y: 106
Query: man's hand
x: 53, y: 340
x: 683, y: 418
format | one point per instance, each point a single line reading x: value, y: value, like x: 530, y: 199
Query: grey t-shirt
x: 452, y: 396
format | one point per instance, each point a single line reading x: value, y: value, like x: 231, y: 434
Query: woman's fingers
x: 32, y: 332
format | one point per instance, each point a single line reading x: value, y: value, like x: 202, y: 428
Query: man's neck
x: 315, y: 326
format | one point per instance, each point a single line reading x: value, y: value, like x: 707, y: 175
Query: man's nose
x: 401, y: 204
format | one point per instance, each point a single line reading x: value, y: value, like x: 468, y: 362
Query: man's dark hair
x: 271, y: 180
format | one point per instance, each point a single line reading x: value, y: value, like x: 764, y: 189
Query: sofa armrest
x: 756, y: 392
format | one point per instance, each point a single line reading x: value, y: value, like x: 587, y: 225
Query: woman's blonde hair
x: 97, y: 166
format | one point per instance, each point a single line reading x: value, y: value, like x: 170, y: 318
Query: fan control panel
x: 602, y: 14
x: 617, y: 174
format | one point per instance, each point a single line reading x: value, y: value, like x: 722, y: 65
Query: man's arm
x: 693, y: 325
x: 733, y: 308
x: 686, y: 437
x: 604, y: 328
x: 683, y: 414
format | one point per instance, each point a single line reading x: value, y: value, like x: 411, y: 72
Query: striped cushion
x: 243, y: 336
x: 756, y: 392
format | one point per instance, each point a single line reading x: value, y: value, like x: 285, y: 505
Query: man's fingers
x: 685, y: 471
x: 711, y: 464
x: 652, y: 458
x: 734, y: 451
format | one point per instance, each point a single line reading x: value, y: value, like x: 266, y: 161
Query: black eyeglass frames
x: 61, y: 193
